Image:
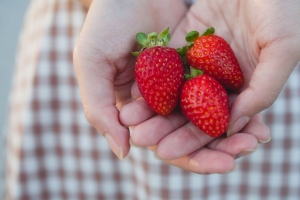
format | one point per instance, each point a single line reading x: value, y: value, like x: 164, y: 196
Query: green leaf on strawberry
x: 164, y: 38
x: 214, y: 56
x: 204, y: 101
x: 142, y: 39
x: 209, y: 31
x: 152, y: 39
x: 159, y: 72
x: 191, y: 36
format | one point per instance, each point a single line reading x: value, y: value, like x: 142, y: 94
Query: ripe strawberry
x: 159, y: 72
x: 204, y: 101
x: 214, y: 56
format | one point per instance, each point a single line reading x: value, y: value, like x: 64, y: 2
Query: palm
x: 104, y: 68
x: 262, y: 35
x: 231, y: 23
x: 167, y: 141
x: 117, y: 52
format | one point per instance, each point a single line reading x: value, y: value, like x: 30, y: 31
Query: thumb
x: 96, y: 75
x: 276, y: 63
x: 99, y: 101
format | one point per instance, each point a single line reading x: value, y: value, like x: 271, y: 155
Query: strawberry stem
x: 193, y: 73
x: 182, y: 51
x: 191, y: 36
x: 152, y: 39
x: 164, y: 37
x: 209, y: 31
x: 187, y: 76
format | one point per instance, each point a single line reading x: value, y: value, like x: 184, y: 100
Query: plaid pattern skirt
x: 53, y: 153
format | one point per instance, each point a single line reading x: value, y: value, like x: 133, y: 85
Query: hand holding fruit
x: 238, y: 23
x: 266, y: 50
x: 203, y: 100
x: 104, y: 64
x: 266, y: 55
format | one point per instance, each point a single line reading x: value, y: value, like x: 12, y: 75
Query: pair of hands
x: 265, y: 36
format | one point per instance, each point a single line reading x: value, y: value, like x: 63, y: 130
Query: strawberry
x: 214, y: 56
x: 158, y: 72
x: 204, y: 101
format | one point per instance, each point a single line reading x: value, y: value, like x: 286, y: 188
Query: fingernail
x: 246, y: 152
x: 234, y: 169
x: 265, y: 141
x: 131, y: 129
x: 114, y: 146
x: 130, y: 139
x: 238, y: 125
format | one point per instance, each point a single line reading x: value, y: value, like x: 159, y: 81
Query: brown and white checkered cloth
x: 53, y: 153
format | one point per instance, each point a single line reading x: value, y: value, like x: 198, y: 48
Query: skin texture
x: 263, y: 34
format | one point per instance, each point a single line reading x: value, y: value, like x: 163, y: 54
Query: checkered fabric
x: 53, y: 153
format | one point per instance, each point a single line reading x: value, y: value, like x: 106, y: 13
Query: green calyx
x: 193, y: 73
x: 190, y: 37
x: 152, y: 39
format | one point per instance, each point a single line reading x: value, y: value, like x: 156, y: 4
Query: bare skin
x: 266, y: 48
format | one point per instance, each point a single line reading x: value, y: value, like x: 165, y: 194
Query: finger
x: 189, y: 138
x: 99, y: 106
x: 153, y: 130
x: 95, y: 75
x: 204, y: 161
x: 135, y: 112
x: 237, y: 145
x: 223, y: 150
x: 258, y: 129
x: 275, y: 65
x: 181, y: 142
x: 135, y: 92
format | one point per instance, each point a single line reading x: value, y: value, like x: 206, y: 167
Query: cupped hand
x: 178, y: 142
x: 104, y: 64
x: 265, y: 37
x: 104, y: 68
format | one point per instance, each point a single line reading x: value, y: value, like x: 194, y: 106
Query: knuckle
x: 266, y: 103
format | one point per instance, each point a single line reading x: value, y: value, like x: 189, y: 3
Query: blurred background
x: 11, y: 19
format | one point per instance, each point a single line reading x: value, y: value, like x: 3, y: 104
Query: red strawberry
x: 159, y: 72
x: 214, y: 56
x: 204, y: 101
